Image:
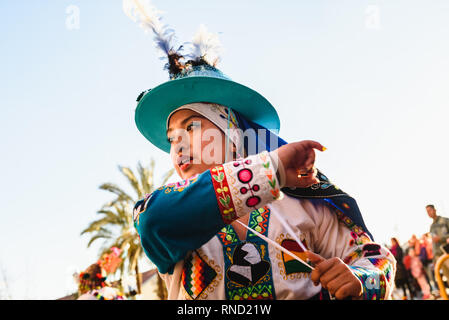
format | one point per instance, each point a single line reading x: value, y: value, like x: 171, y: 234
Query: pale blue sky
x: 375, y: 94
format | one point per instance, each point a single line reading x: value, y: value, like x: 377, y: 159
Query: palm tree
x: 116, y: 226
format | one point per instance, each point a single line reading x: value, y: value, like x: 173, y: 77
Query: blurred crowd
x: 414, y: 275
x: 416, y: 259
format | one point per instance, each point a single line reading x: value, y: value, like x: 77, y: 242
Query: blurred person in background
x: 92, y: 285
x: 418, y: 273
x: 413, y: 284
x: 401, y: 280
x: 426, y: 255
x: 439, y: 230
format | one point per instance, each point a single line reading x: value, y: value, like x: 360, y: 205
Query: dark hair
x: 93, y: 270
x: 395, y: 240
x: 91, y: 279
x: 431, y: 206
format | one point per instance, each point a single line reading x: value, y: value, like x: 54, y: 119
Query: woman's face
x: 197, y: 144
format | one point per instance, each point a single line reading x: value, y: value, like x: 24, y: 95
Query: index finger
x: 314, y: 144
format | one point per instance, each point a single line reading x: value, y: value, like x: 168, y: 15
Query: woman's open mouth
x: 184, y: 162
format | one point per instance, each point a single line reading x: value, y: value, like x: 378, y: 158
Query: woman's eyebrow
x: 183, y: 122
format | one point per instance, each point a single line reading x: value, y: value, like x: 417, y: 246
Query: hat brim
x: 156, y: 105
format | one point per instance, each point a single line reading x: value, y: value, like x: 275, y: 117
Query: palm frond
x: 124, y: 212
x: 134, y: 258
x: 96, y: 225
x: 114, y: 217
x: 103, y: 234
x: 122, y: 195
x: 146, y: 176
x: 129, y: 174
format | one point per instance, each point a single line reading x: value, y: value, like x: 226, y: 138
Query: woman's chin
x: 191, y: 170
x: 187, y: 172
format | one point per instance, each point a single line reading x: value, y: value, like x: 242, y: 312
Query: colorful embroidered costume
x: 185, y: 227
x: 200, y: 256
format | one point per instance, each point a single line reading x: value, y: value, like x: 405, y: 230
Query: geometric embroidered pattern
x: 384, y: 265
x: 258, y: 292
x: 259, y: 221
x: 197, y: 275
x: 227, y: 235
x: 348, y: 222
x: 373, y: 283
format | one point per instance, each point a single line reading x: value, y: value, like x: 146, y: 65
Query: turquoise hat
x: 196, y: 80
x: 202, y: 83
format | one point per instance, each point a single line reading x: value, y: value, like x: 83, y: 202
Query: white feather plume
x: 207, y: 45
x: 148, y: 17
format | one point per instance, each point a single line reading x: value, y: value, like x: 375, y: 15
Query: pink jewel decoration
x: 256, y: 187
x: 245, y: 175
x: 252, y: 201
x: 243, y: 190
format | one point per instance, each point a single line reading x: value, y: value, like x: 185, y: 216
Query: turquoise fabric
x: 178, y: 219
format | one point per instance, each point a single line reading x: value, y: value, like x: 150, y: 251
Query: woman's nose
x: 180, y: 147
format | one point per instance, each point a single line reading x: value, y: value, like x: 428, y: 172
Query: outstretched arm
x: 183, y: 216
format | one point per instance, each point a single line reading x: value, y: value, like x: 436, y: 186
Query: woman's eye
x: 194, y: 124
